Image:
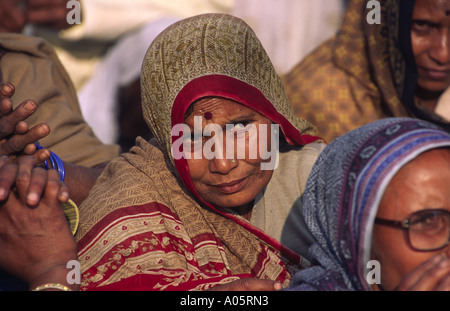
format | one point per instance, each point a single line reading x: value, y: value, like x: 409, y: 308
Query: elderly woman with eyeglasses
x: 378, y: 205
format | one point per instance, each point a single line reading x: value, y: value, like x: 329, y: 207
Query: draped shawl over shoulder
x: 144, y: 226
x: 344, y: 190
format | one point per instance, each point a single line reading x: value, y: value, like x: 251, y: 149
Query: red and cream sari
x: 143, y: 226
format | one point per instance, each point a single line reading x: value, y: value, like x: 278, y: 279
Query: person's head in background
x: 413, y: 225
x: 430, y: 40
x: 378, y: 206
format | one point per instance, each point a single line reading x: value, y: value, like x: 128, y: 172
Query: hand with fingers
x: 16, y: 137
x: 35, y: 238
x: 431, y: 275
x: 249, y: 284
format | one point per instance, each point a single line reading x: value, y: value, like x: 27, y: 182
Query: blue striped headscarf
x: 343, y: 192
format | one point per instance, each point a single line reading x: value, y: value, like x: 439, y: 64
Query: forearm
x: 80, y: 180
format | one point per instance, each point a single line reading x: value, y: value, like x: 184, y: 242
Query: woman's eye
x: 426, y: 221
x: 193, y: 138
x: 238, y: 126
x: 242, y: 124
x: 196, y: 138
x: 241, y: 127
x: 420, y: 25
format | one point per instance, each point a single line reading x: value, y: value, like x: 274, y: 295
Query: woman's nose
x: 222, y: 161
x: 222, y: 166
x: 440, y: 51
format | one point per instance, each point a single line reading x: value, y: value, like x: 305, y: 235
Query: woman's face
x: 421, y: 184
x: 430, y: 35
x: 230, y: 182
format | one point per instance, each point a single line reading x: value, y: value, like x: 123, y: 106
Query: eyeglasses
x: 426, y: 230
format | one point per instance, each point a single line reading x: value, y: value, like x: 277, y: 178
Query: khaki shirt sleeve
x: 31, y: 65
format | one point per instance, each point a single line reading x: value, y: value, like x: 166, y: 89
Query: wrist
x: 56, y: 274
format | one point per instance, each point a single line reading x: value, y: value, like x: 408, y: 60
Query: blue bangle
x: 60, y: 166
x: 56, y: 162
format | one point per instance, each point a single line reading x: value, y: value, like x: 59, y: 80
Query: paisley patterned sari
x: 144, y: 227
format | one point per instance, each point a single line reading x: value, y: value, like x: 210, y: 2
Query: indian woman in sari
x: 165, y: 217
x: 160, y: 221
x: 378, y: 206
x: 368, y: 71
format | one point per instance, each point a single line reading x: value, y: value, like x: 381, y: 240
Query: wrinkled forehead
x: 220, y: 111
x: 219, y: 94
x: 210, y: 107
x: 433, y: 9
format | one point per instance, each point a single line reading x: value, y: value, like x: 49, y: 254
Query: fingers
x: 15, y: 134
x: 249, y: 284
x: 8, y: 173
x: 10, y: 118
x: 430, y: 275
x: 32, y: 183
x: 54, y: 187
x: 21, y: 127
x: 40, y: 155
x: 22, y: 112
x: 23, y: 181
x: 6, y: 90
x: 444, y: 285
x: 20, y: 142
x: 6, y: 106
x: 46, y: 187
x: 64, y: 192
x: 259, y: 285
x: 33, y: 240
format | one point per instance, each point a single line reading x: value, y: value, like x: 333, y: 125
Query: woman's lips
x: 435, y: 74
x: 231, y: 187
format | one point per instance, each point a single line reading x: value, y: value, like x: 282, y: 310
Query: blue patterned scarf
x: 343, y: 193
